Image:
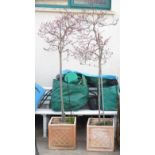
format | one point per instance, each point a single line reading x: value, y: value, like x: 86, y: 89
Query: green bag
x: 111, y: 94
x: 110, y: 98
x: 75, y: 96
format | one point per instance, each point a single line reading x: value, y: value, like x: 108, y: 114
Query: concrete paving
x: 42, y: 143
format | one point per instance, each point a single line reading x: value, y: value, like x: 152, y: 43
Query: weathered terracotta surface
x: 61, y: 136
x: 99, y: 138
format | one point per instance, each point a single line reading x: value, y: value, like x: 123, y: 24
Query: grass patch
x: 69, y: 120
x: 104, y: 123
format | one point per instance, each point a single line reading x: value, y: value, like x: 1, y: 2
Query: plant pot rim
x: 105, y: 126
x: 61, y: 124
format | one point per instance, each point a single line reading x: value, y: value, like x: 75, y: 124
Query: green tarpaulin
x: 76, y: 92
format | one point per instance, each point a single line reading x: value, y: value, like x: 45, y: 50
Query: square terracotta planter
x: 100, y: 138
x: 61, y: 135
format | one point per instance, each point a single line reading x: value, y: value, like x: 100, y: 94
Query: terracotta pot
x: 100, y: 137
x: 61, y: 135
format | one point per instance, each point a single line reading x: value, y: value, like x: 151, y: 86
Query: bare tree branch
x: 57, y: 35
x: 91, y: 46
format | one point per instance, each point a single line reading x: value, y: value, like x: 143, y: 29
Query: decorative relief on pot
x: 100, y: 138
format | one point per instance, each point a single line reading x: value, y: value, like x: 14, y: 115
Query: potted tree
x: 92, y: 47
x: 57, y: 34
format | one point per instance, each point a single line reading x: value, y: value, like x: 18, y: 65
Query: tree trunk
x: 99, y: 90
x: 61, y: 90
x: 102, y: 94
